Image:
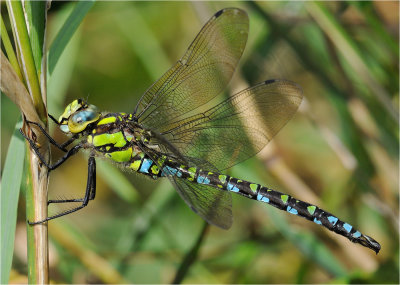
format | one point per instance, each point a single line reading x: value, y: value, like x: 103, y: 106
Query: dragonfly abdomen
x: 287, y: 203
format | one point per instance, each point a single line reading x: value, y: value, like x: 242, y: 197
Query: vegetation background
x: 340, y: 151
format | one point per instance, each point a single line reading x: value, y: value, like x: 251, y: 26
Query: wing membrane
x: 239, y: 127
x: 200, y: 75
x: 214, y: 206
x: 224, y: 135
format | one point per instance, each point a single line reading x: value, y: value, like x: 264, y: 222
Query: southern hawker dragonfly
x: 165, y: 138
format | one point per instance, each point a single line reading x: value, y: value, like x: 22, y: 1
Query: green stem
x: 191, y: 256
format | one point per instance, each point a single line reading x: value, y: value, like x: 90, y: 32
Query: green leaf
x: 376, y: 24
x: 24, y: 51
x: 9, y: 49
x: 67, y: 31
x: 351, y: 53
x: 60, y: 79
x: 160, y: 197
x: 36, y: 14
x: 142, y: 40
x: 11, y: 181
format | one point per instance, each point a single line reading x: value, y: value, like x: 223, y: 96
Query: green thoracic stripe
x: 107, y: 120
x: 121, y: 156
x: 117, y: 139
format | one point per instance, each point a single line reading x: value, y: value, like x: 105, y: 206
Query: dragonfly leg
x: 89, y: 194
x: 51, y: 140
x: 65, y: 201
x: 69, y: 153
x: 92, y: 172
x: 92, y: 195
x: 53, y: 119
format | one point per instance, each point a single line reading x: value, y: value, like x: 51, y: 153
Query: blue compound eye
x: 83, y: 117
x: 78, y: 121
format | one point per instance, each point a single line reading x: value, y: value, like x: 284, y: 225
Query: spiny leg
x: 54, y: 119
x: 51, y: 140
x: 90, y: 194
x: 69, y: 153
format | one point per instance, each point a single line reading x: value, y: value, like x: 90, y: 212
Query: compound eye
x: 83, y: 116
x: 78, y: 121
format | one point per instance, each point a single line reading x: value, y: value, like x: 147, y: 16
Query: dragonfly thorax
x: 116, y: 136
x: 77, y: 116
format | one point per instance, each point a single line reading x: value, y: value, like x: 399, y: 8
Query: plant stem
x: 36, y: 194
x: 37, y: 173
x: 36, y: 208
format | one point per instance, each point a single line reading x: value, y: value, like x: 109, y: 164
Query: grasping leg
x: 69, y: 153
x: 90, y: 194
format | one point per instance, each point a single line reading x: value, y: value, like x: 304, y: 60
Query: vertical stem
x: 36, y: 209
x: 36, y: 194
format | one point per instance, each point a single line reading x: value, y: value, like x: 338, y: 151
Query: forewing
x: 200, y: 75
x: 239, y: 127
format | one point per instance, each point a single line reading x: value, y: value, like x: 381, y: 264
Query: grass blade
x: 190, y: 256
x: 24, y: 51
x: 68, y: 237
x: 9, y: 49
x: 36, y: 11
x: 139, y: 46
x: 11, y: 181
x: 351, y: 53
x: 67, y: 31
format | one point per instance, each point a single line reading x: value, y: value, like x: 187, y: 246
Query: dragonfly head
x: 77, y: 116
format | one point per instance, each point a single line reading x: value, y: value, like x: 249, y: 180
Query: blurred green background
x: 340, y: 151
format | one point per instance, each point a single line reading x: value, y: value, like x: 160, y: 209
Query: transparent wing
x: 200, y: 75
x: 214, y: 206
x: 226, y: 134
x: 237, y: 128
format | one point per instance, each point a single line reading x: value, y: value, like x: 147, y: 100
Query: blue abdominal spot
x: 262, y: 198
x: 232, y: 188
x: 292, y: 210
x: 146, y: 165
x: 203, y: 180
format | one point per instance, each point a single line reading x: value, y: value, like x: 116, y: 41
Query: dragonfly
x: 170, y: 135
